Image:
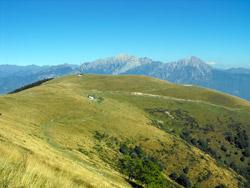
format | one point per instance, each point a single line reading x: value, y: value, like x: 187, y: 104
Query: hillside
x: 192, y: 71
x: 53, y: 135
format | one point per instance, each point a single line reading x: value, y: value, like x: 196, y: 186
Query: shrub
x: 140, y: 167
x: 203, y: 144
x: 241, y: 139
x: 223, y: 148
x: 185, y: 170
x: 246, y: 152
x: 143, y: 171
x: 139, y: 151
x: 194, y: 141
x: 185, y: 135
x: 221, y: 186
x: 124, y: 149
x: 242, y: 158
x: 173, y: 176
x: 184, y: 181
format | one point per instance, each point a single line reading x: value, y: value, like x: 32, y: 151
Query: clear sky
x: 53, y: 32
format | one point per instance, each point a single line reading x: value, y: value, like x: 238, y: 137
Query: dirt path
x: 184, y: 100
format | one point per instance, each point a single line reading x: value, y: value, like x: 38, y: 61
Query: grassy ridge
x: 56, y: 128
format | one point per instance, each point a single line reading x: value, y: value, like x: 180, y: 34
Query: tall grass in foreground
x: 21, y: 170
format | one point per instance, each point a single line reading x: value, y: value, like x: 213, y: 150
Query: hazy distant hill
x: 239, y: 70
x: 13, y: 77
x: 11, y: 70
x: 234, y: 81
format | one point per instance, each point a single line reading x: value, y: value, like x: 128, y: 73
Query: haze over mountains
x: 192, y: 70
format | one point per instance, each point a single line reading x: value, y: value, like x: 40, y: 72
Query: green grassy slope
x: 48, y: 134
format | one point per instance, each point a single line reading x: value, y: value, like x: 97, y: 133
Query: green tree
x: 173, y: 176
x: 185, y: 170
x: 128, y: 167
x: 144, y: 171
x: 150, y: 173
x: 246, y: 152
x: 223, y: 148
x: 124, y: 149
x: 139, y: 151
x: 184, y: 181
x: 221, y: 186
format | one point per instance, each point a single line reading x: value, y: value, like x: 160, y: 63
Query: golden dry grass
x: 47, y: 133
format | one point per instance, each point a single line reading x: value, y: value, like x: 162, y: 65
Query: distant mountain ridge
x: 13, y: 77
x: 116, y: 65
x: 192, y: 70
x: 238, y: 70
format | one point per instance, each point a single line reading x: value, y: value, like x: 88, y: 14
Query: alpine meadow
x: 124, y: 94
x: 56, y: 135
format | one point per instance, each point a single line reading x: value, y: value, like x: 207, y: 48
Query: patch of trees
x: 99, y: 136
x: 34, y: 84
x: 202, y: 144
x: 186, y: 135
x: 158, y: 124
x: 205, y: 177
x: 240, y: 139
x: 246, y: 152
x: 178, y: 117
x: 184, y: 118
x: 182, y: 179
x: 244, y: 171
x: 138, y: 166
x: 221, y: 186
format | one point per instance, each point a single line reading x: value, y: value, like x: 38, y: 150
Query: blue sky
x: 53, y: 32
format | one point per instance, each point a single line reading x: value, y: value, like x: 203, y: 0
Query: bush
x: 241, y: 139
x: 242, y: 158
x: 124, y: 149
x: 143, y: 171
x: 221, y: 186
x: 185, y: 135
x: 229, y: 137
x: 184, y: 181
x: 212, y: 152
x: 140, y: 167
x: 223, y: 148
x: 203, y: 144
x: 173, y: 176
x: 194, y: 141
x: 246, y: 152
x: 185, y: 170
x: 139, y: 151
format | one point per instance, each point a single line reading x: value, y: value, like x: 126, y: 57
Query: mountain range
x: 191, y: 71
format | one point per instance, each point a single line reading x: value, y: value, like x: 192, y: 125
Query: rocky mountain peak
x: 191, y: 60
x: 117, y: 64
x: 195, y: 63
x: 124, y: 56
